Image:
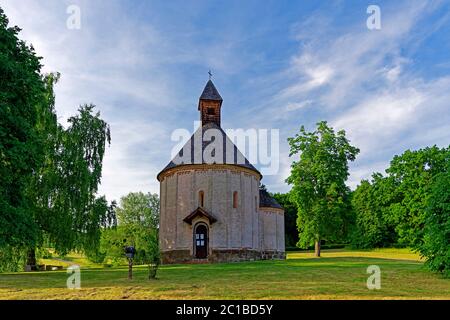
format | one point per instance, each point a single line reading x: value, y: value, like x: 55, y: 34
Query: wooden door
x: 201, y: 241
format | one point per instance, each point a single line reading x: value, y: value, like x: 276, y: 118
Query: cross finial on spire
x: 210, y: 74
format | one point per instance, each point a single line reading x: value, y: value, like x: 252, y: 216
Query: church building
x: 213, y: 207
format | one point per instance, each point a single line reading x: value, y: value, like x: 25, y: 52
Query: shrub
x: 12, y: 259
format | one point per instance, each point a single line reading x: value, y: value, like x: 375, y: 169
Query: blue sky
x: 277, y: 64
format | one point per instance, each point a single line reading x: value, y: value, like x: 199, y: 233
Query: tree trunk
x: 317, y: 248
x: 31, y: 257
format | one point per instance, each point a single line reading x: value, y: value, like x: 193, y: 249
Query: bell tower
x: 209, y: 104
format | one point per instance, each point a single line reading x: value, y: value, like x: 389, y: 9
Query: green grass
x: 70, y: 259
x: 339, y: 274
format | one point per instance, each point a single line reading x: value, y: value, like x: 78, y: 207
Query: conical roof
x: 197, y: 154
x: 210, y: 92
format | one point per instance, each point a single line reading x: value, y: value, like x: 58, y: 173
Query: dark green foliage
x: 103, y: 219
x: 318, y: 179
x: 412, y: 176
x: 391, y: 210
x: 49, y: 175
x: 12, y: 259
x: 436, y: 240
x: 370, y: 203
x: 22, y: 89
x: 408, y: 207
x: 64, y: 189
x: 290, y: 218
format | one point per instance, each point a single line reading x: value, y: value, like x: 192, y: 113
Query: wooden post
x: 130, y: 269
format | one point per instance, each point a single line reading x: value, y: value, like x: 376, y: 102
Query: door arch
x: 201, y: 241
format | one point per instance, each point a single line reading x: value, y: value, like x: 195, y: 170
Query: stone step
x: 199, y: 261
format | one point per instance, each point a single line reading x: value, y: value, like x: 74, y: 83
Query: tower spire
x: 210, y: 103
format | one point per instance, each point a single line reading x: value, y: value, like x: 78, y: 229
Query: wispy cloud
x: 367, y: 83
x: 298, y: 105
x: 144, y: 64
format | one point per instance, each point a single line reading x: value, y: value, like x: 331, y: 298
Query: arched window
x: 201, y: 198
x: 235, y: 199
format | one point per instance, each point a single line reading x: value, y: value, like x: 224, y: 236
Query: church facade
x: 212, y: 205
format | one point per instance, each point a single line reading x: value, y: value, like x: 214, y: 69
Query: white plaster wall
x: 185, y: 203
x: 269, y: 229
x: 169, y: 213
x: 220, y: 207
x: 280, y: 232
x: 235, y: 228
x: 247, y: 205
x: 273, y: 229
x: 256, y: 217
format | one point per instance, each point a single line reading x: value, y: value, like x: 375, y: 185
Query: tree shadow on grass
x: 170, y: 275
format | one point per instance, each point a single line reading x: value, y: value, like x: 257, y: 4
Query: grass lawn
x: 339, y: 274
x: 70, y: 259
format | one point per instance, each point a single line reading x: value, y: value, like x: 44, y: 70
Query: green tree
x: 290, y: 218
x: 412, y: 175
x: 22, y: 90
x: 409, y: 205
x: 112, y: 243
x: 436, y: 242
x: 64, y: 190
x: 147, y: 244
x: 370, y: 203
x: 139, y: 209
x: 318, y: 179
x: 49, y: 175
x: 138, y: 223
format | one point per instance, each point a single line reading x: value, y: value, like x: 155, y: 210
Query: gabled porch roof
x: 199, y: 212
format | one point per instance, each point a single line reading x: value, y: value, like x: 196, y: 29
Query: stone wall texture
x: 247, y: 232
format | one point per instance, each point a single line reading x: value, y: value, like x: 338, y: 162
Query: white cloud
x: 361, y: 81
x: 291, y: 106
x: 357, y: 79
x: 372, y: 124
x: 313, y: 74
x: 95, y: 67
x: 393, y: 73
